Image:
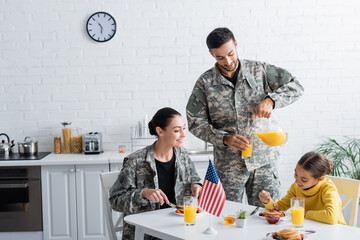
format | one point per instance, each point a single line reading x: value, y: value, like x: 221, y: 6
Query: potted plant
x: 241, y: 218
x: 345, y: 156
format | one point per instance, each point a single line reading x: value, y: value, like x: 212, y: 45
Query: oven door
x: 20, y: 204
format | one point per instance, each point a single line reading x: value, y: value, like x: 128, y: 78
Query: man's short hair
x: 218, y: 37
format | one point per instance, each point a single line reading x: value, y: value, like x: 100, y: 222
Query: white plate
x: 264, y: 216
x: 181, y: 214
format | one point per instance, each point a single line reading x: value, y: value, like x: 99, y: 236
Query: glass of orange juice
x: 248, y: 152
x: 297, y: 211
x: 190, y: 207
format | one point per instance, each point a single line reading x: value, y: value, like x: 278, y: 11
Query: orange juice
x: 190, y: 214
x: 248, y: 152
x: 297, y: 215
x: 272, y: 138
x: 229, y: 220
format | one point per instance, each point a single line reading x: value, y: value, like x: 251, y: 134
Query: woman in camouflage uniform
x: 157, y: 174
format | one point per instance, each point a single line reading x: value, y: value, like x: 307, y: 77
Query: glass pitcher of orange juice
x: 269, y: 131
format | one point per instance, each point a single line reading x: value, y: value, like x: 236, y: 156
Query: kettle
x: 269, y: 131
x: 5, y: 147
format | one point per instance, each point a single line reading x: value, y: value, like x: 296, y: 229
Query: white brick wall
x: 50, y: 71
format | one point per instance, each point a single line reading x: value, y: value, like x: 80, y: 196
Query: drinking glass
x: 228, y: 218
x: 190, y: 207
x: 122, y: 148
x: 297, y: 211
x: 247, y: 152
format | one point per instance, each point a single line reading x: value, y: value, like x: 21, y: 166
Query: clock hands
x: 101, y: 28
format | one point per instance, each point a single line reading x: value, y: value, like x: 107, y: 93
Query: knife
x: 255, y: 210
x: 173, y: 205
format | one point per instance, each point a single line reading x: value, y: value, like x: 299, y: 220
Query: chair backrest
x: 351, y: 189
x: 107, y: 180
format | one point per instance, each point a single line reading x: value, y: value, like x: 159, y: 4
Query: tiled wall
x: 50, y: 71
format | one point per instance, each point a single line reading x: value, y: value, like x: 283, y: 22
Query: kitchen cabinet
x: 72, y: 202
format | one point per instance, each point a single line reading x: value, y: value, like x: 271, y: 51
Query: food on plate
x: 272, y: 219
x: 271, y: 212
x: 288, y: 234
x: 180, y: 210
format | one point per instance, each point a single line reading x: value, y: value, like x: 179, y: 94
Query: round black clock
x: 101, y: 26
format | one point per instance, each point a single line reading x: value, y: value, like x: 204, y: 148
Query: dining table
x: 167, y: 224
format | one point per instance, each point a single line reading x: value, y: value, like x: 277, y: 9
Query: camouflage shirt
x: 216, y: 107
x: 138, y: 173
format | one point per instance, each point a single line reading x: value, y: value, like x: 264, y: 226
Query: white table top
x: 166, y: 224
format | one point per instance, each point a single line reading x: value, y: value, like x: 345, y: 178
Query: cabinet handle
x: 72, y: 170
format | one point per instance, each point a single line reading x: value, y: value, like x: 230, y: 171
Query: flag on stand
x: 212, y: 197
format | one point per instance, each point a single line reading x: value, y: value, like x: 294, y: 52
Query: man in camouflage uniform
x: 224, y: 103
x: 139, y: 173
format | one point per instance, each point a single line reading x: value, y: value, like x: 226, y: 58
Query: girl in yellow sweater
x: 322, y: 200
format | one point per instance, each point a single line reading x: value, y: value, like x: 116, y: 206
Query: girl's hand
x: 155, y: 195
x: 264, y: 196
x: 196, y: 190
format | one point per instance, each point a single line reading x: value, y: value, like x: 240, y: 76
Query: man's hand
x: 236, y: 141
x: 195, y: 190
x: 264, y: 109
x: 155, y: 195
x: 264, y: 196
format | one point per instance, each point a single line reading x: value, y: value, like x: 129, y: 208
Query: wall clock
x: 101, y: 26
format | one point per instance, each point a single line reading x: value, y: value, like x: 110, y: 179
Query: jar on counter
x: 66, y: 132
x: 77, y: 140
x: 57, y: 145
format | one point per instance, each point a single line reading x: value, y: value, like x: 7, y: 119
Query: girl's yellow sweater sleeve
x: 332, y: 209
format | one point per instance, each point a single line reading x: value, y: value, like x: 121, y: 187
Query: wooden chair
x: 107, y: 180
x: 351, y: 189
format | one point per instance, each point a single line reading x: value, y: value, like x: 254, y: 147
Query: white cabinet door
x: 59, y: 202
x: 72, y: 202
x: 90, y: 214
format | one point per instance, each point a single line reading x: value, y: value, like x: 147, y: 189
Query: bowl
x: 272, y: 219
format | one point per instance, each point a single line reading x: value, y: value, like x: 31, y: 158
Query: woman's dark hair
x: 316, y: 163
x: 218, y: 37
x: 162, y: 119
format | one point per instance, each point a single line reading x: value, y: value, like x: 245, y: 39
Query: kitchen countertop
x: 69, y: 159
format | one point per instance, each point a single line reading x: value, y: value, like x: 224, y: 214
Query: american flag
x: 212, y: 197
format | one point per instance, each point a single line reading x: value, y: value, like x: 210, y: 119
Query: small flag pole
x: 210, y: 230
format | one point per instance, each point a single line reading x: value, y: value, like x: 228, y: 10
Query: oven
x: 20, y: 199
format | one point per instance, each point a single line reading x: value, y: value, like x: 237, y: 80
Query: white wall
x: 50, y: 70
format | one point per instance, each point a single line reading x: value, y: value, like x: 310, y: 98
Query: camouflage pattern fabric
x: 216, y: 107
x: 138, y: 173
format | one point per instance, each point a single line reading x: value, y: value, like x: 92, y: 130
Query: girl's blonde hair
x: 316, y: 163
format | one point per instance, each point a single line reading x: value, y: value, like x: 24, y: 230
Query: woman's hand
x: 236, y: 141
x: 195, y: 190
x: 155, y: 195
x: 264, y: 196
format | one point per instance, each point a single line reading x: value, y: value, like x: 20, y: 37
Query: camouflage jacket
x: 216, y: 107
x: 139, y: 172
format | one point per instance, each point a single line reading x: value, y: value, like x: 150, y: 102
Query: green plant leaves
x: 345, y: 156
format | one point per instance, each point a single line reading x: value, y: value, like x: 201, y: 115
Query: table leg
x: 139, y: 234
